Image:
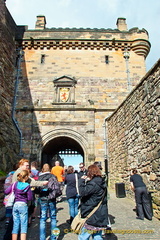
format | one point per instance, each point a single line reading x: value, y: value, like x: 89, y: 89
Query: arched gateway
x: 64, y: 141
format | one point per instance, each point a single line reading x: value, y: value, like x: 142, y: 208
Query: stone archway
x: 59, y: 140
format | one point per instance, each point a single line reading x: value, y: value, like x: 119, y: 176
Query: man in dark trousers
x: 143, y: 206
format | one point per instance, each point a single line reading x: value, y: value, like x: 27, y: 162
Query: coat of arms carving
x: 64, y: 94
x: 64, y: 90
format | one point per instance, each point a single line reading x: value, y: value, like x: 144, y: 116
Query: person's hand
x: 84, y: 177
x: 88, y: 179
x: 45, y: 182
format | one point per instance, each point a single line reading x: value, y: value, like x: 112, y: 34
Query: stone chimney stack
x: 41, y: 22
x: 121, y: 24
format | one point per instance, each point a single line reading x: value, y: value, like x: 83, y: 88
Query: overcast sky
x: 93, y: 14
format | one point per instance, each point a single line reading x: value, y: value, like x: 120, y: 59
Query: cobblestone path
x: 125, y: 226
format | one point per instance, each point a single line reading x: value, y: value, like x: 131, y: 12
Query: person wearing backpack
x: 23, y: 194
x: 23, y: 164
x: 46, y: 203
x: 59, y: 172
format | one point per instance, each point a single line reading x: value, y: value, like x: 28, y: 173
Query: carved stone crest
x: 64, y: 94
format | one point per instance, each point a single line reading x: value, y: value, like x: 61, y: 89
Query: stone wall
x: 9, y: 139
x: 2, y: 180
x: 133, y: 136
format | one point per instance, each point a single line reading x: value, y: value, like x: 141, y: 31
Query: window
x: 42, y: 58
x: 107, y: 59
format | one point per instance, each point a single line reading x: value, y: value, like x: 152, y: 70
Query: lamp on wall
x: 126, y: 56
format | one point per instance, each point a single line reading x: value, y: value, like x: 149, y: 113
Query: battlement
x: 41, y: 37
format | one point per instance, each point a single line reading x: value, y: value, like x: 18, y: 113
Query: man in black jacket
x: 82, y: 171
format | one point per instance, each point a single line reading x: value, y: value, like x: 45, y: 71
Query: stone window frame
x: 61, y: 83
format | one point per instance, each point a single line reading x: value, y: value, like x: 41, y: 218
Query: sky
x: 73, y: 161
x: 93, y: 14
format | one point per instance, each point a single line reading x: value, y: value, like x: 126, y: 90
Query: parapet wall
x: 133, y: 133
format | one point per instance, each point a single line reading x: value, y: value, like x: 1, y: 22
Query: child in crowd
x: 23, y: 194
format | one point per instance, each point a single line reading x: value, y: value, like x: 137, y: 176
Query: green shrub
x: 2, y: 173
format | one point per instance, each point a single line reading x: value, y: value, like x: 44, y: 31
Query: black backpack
x: 54, y: 188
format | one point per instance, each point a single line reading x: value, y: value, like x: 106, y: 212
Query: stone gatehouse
x: 71, y: 80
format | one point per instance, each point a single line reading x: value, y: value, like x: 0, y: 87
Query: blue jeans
x: 20, y: 217
x: 73, y: 206
x: 44, y: 207
x: 85, y: 234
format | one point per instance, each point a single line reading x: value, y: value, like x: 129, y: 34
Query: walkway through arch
x: 60, y: 146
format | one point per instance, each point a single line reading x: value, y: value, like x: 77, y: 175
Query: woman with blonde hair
x: 23, y: 194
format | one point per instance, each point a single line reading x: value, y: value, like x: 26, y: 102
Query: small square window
x: 42, y: 58
x: 107, y: 59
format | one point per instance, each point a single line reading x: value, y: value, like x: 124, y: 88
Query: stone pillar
x: 121, y: 24
x: 41, y: 22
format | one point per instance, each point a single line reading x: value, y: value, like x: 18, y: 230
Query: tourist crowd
x: 85, y: 191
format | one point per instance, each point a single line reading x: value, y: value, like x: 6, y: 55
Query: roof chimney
x: 121, y: 24
x: 41, y: 22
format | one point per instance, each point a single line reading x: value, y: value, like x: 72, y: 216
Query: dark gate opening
x: 60, y: 146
